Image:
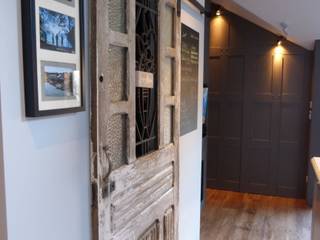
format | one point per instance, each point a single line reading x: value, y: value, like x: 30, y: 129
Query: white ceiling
x: 301, y: 16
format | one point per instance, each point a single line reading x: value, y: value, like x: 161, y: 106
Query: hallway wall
x: 46, y: 160
x: 258, y: 110
x: 3, y: 215
x: 191, y: 146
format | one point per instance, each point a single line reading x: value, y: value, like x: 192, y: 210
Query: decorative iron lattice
x: 146, y: 61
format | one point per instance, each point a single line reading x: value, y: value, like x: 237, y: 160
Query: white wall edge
x: 3, y: 215
x: 191, y: 144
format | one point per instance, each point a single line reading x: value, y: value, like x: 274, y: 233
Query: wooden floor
x: 238, y: 216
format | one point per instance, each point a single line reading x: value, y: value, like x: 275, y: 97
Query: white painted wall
x: 191, y: 148
x: 46, y: 160
x: 3, y: 217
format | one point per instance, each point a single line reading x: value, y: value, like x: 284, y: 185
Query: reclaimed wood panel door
x: 135, y: 195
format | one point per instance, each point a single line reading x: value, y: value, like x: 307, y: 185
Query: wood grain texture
x: 132, y: 194
x: 238, y: 216
x: 152, y: 233
x: 168, y: 225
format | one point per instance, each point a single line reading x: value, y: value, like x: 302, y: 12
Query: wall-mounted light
x: 280, y: 41
x: 218, y: 12
x: 278, y: 50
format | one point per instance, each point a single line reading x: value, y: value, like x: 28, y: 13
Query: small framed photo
x: 53, y: 56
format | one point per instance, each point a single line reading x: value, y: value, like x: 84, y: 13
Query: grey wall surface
x: 46, y: 160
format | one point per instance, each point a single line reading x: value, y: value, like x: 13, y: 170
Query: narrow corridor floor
x: 240, y: 216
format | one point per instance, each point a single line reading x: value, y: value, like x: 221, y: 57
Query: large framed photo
x: 53, y: 56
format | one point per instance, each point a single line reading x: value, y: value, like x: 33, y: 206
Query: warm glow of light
x: 279, y: 43
x: 278, y: 52
x: 218, y: 12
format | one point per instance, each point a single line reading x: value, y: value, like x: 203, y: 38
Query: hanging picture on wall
x: 57, y: 31
x: 189, y: 79
x: 52, y: 53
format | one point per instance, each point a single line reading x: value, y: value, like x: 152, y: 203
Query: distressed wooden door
x: 135, y: 167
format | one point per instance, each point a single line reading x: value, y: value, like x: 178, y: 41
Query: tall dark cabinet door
x: 258, y: 110
x: 261, y: 110
x: 226, y: 108
x: 294, y: 125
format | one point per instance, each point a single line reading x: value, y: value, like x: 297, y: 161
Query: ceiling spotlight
x: 218, y: 12
x: 280, y: 41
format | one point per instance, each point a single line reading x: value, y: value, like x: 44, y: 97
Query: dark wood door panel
x: 257, y: 123
x: 293, y: 83
x: 231, y: 120
x: 235, y: 76
x: 219, y: 29
x: 259, y: 150
x: 212, y: 161
x: 261, y: 108
x: 258, y: 170
x: 229, y: 165
x: 260, y: 122
x: 258, y: 110
x: 214, y: 116
x: 291, y: 171
x: 226, y: 118
x: 260, y: 76
x: 216, y: 74
x: 292, y: 168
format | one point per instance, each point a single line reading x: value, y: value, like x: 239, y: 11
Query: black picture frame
x: 30, y: 61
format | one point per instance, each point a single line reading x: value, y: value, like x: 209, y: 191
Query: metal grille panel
x: 146, y: 61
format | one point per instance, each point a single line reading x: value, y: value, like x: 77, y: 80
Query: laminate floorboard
x: 240, y: 216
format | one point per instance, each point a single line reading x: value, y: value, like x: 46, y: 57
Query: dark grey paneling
x: 258, y: 110
x: 225, y: 120
x: 292, y: 161
x: 260, y: 131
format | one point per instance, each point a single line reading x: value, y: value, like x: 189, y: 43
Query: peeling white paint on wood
x: 132, y: 201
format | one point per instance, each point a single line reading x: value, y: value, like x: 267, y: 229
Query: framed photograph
x: 53, y: 56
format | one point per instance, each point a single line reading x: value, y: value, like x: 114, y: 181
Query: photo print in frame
x: 53, y: 56
x: 57, y: 31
